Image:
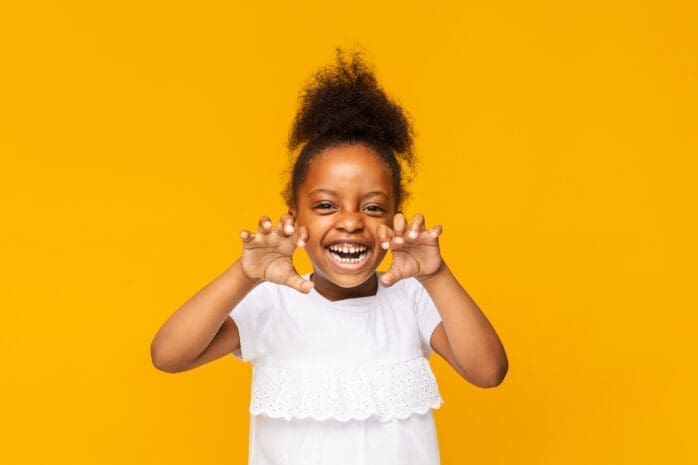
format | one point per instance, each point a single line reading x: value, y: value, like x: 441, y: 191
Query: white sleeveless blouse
x: 340, y: 382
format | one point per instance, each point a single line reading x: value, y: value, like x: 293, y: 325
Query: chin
x: 344, y: 280
x: 349, y: 282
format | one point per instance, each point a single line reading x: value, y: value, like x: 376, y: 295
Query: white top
x: 340, y: 382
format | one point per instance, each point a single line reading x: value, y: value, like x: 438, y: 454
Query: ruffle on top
x: 385, y: 391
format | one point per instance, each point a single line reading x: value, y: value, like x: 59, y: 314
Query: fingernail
x: 267, y: 224
x: 385, y: 245
x: 288, y: 229
x: 301, y: 243
x: 399, y: 240
x: 413, y: 234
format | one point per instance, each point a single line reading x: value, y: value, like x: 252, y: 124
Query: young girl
x: 340, y: 354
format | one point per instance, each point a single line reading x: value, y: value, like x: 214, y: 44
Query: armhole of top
x: 241, y: 352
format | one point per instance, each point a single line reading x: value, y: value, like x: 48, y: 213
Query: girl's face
x: 347, y: 193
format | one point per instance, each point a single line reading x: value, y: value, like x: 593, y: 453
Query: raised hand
x: 267, y: 254
x: 415, y: 249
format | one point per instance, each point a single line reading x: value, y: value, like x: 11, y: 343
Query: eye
x: 375, y: 209
x: 324, y: 206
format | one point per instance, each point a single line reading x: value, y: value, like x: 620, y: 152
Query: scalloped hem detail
x: 387, y: 392
x: 400, y: 416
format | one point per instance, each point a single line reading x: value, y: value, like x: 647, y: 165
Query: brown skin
x: 346, y: 197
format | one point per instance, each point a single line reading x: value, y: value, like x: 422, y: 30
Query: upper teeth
x: 349, y: 248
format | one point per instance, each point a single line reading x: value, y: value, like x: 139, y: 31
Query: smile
x: 348, y: 253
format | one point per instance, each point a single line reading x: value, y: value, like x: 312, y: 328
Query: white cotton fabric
x: 340, y: 382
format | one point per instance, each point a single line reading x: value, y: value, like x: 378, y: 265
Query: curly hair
x: 343, y: 104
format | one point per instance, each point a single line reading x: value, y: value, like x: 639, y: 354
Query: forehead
x: 348, y: 169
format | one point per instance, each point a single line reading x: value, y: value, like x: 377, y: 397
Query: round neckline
x: 352, y: 304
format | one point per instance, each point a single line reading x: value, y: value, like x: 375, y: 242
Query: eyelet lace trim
x: 387, y: 391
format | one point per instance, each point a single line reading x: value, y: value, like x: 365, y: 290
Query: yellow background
x: 558, y: 144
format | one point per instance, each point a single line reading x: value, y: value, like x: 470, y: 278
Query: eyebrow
x: 331, y: 192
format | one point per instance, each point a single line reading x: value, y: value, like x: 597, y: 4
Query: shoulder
x: 276, y: 296
x: 263, y: 295
x: 409, y: 287
x: 409, y: 291
x: 264, y: 289
x: 413, y: 294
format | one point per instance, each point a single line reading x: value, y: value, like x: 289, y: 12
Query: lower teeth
x: 348, y: 260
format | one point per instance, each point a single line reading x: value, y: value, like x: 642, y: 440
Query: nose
x: 350, y: 221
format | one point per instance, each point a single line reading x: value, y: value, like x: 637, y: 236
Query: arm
x: 465, y: 337
x: 199, y: 331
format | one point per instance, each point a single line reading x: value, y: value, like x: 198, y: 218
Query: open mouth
x: 348, y: 253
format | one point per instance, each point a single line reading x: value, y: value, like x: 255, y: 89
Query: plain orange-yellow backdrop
x: 558, y: 144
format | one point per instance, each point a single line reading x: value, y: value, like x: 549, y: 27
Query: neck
x: 331, y: 291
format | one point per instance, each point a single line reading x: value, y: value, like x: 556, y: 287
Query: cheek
x: 317, y: 228
x: 387, y: 221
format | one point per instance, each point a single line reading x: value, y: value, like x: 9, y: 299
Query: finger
x: 417, y: 225
x: 295, y: 281
x: 264, y: 224
x: 436, y: 231
x: 399, y: 227
x: 279, y: 229
x: 399, y: 224
x: 246, y: 236
x: 385, y: 235
x: 301, y: 236
x: 287, y: 222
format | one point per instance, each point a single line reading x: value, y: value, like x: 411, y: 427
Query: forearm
x: 190, y: 330
x: 473, y: 340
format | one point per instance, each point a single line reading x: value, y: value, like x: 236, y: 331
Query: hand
x: 267, y: 255
x: 415, y: 249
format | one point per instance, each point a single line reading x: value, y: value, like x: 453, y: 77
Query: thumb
x: 297, y: 282
x: 390, y: 277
